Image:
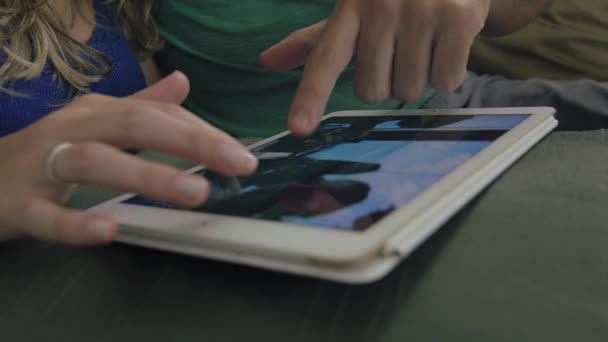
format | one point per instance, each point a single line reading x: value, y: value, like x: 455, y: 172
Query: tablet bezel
x: 303, y: 242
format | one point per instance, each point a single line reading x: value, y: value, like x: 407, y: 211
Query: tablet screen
x: 352, y: 171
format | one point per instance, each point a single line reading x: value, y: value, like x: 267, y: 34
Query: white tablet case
x: 397, y: 248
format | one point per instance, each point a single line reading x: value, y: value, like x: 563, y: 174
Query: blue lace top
x: 46, y: 93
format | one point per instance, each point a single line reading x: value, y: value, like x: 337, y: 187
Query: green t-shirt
x: 568, y: 41
x: 217, y: 43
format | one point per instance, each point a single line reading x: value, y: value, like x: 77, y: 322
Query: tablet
x: 348, y: 202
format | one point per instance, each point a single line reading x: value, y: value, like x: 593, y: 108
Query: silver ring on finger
x: 52, y: 160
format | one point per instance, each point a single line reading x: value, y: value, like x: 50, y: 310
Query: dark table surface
x: 527, y: 260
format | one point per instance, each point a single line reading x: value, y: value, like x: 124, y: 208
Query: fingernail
x: 237, y: 157
x: 300, y: 120
x: 194, y: 188
x: 100, y: 229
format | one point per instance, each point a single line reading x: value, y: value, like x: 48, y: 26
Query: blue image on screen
x: 352, y: 171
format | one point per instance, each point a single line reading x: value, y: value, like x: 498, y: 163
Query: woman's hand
x: 401, y: 48
x: 96, y: 128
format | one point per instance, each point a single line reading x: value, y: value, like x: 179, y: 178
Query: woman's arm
x: 83, y: 142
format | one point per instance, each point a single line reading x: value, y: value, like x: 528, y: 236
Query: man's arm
x: 507, y: 16
x: 400, y: 47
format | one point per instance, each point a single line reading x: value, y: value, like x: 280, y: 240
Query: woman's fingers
x: 128, y: 123
x: 46, y: 220
x: 174, y: 88
x: 95, y: 127
x: 100, y: 164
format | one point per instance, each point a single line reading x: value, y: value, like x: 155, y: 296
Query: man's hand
x: 401, y: 47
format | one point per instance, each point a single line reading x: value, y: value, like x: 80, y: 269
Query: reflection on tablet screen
x: 353, y: 170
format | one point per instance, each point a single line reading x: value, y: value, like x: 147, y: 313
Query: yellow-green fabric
x: 568, y: 41
x: 217, y: 44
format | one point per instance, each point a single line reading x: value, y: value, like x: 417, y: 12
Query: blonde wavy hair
x: 32, y: 36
